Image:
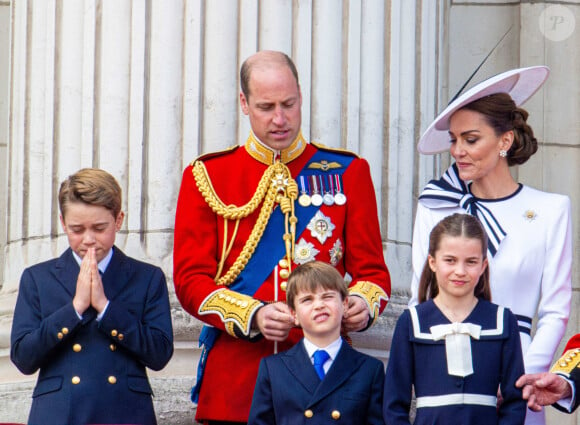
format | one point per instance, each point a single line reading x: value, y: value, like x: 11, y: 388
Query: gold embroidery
x: 266, y: 155
x: 566, y: 364
x: 233, y: 308
x: 372, y: 294
x: 324, y: 165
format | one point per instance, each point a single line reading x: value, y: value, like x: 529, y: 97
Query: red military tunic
x: 202, y: 238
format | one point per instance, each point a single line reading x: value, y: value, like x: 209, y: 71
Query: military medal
x: 316, y: 197
x: 320, y: 227
x: 328, y: 198
x: 304, y: 198
x: 339, y: 197
x: 336, y: 252
x: 304, y: 252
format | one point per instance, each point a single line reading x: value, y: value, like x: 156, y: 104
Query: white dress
x: 532, y: 266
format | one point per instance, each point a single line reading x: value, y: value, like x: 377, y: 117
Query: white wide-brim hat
x: 519, y: 83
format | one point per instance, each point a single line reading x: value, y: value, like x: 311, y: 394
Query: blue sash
x: 267, y: 254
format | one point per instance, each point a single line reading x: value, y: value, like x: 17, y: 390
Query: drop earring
x: 503, y: 153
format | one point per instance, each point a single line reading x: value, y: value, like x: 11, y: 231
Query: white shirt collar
x: 103, y: 264
x: 332, y: 349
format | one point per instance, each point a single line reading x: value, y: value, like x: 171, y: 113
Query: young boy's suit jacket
x: 288, y: 390
x: 92, y: 371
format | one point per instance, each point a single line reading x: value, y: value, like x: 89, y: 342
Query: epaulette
x: 215, y: 154
x: 329, y: 149
x: 567, y: 363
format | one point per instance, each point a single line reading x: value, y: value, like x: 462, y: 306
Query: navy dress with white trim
x: 418, y: 362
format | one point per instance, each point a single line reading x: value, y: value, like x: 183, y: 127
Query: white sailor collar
x: 490, y: 317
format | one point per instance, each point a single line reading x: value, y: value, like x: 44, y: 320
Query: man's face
x: 273, y: 105
x: 90, y: 226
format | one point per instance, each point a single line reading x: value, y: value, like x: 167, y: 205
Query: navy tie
x: 320, y: 357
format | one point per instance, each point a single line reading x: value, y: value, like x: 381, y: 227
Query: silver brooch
x: 320, y: 227
x: 304, y: 252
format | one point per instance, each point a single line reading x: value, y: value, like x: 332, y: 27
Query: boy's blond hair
x: 91, y: 186
x: 311, y: 276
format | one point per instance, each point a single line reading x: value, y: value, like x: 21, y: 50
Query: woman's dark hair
x: 502, y: 114
x: 455, y: 225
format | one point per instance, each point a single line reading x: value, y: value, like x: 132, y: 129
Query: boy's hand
x: 98, y: 297
x: 274, y: 321
x: 356, y: 317
x: 82, y: 298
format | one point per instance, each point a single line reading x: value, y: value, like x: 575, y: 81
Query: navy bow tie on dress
x: 451, y: 191
x: 320, y: 357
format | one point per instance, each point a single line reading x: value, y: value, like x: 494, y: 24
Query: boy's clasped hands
x: 89, y: 290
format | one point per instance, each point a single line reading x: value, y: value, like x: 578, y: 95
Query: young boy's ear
x: 62, y: 223
x: 293, y: 313
x: 345, y: 307
x: 119, y: 221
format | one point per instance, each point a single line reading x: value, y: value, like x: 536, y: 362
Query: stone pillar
x: 96, y: 83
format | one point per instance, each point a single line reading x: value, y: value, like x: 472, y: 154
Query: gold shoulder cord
x: 276, y: 185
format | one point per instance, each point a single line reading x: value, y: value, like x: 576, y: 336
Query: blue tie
x: 320, y: 357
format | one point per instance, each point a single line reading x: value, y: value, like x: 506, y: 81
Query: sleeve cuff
x: 372, y: 294
x: 235, y: 310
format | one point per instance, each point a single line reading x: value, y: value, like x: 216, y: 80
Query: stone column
x: 96, y: 83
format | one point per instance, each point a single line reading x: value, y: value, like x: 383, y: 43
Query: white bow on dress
x: 457, y: 345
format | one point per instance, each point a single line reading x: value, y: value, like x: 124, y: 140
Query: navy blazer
x: 92, y: 371
x: 288, y: 390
